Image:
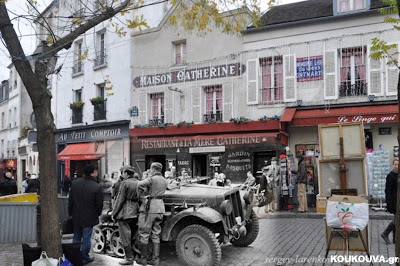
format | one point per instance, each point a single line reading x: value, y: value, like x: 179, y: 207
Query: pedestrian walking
x: 391, y: 201
x: 66, y: 185
x: 85, y: 207
x: 126, y: 211
x: 34, y: 185
x: 151, y: 213
x: 8, y: 185
x: 25, y: 182
x: 301, y: 183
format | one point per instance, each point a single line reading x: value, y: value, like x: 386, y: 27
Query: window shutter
x: 289, y: 74
x: 227, y: 90
x: 143, y: 108
x: 375, y: 77
x: 169, y: 103
x: 331, y: 89
x: 392, y: 75
x: 196, y: 104
x: 252, y: 81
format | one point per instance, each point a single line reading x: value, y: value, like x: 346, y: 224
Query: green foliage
x: 381, y: 49
x: 238, y: 120
x: 265, y: 118
x: 97, y: 100
x: 76, y: 105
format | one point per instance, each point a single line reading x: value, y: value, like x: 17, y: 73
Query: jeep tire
x: 197, y: 245
x: 252, y: 232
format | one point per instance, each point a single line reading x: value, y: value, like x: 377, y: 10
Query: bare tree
x: 34, y: 78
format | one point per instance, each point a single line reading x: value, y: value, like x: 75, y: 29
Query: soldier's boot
x: 155, y: 260
x: 385, y: 234
x: 128, y: 256
x: 143, y: 255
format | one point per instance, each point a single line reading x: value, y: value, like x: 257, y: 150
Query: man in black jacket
x: 8, y: 185
x: 391, y: 200
x: 85, y: 207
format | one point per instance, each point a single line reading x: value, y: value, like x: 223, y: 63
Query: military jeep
x: 199, y: 218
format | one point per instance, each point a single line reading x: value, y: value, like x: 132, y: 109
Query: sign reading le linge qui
x: 187, y: 75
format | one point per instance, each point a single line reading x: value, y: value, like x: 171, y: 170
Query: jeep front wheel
x: 197, y: 245
x: 252, y: 229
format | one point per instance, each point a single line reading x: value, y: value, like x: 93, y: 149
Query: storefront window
x: 272, y: 79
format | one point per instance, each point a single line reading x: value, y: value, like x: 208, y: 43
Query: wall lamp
x: 371, y: 98
x: 299, y: 102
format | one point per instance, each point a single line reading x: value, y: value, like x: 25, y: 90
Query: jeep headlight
x: 226, y: 207
x: 248, y: 197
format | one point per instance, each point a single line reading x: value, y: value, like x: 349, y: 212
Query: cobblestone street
x: 286, y: 238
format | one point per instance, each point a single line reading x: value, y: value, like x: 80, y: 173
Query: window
x: 157, y: 108
x: 272, y: 79
x: 2, y: 148
x: 100, y: 107
x: 180, y: 52
x: 3, y: 120
x: 78, y: 95
x: 101, y: 50
x: 78, y: 65
x: 350, y: 5
x: 9, y: 118
x: 353, y: 72
x: 213, y: 103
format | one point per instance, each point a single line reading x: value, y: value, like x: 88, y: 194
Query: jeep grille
x: 237, y: 209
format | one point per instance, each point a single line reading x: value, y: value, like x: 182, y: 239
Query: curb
x: 311, y: 215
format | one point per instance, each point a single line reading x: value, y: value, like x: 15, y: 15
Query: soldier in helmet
x: 126, y: 211
x: 151, y: 213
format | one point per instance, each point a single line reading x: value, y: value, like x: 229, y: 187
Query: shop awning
x: 366, y: 114
x: 82, y: 151
x: 288, y: 115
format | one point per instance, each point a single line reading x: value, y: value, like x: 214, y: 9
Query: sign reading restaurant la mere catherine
x: 187, y: 75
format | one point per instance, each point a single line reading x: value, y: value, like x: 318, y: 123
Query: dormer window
x: 344, y: 6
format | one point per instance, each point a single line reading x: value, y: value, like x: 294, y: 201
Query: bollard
x: 38, y: 224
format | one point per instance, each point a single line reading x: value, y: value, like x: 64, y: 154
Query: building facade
x: 90, y: 87
x: 189, y: 107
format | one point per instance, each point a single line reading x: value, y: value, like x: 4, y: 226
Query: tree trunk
x: 50, y: 230
x: 397, y: 231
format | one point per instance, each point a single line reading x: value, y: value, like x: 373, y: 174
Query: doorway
x: 155, y: 158
x: 199, y: 162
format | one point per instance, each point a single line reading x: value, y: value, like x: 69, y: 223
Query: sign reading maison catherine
x: 187, y: 75
x: 309, y: 69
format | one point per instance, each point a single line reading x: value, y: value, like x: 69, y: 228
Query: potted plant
x: 97, y: 100
x: 76, y: 105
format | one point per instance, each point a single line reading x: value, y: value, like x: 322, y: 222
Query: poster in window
x: 309, y: 68
x: 300, y: 149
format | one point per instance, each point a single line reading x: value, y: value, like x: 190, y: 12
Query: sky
x: 25, y: 30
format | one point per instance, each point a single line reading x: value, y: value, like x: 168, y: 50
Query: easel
x: 346, y: 235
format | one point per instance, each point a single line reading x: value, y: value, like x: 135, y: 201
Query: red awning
x: 82, y: 151
x: 365, y: 114
x: 288, y: 115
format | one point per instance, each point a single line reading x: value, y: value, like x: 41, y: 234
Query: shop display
x: 381, y: 167
x: 287, y: 181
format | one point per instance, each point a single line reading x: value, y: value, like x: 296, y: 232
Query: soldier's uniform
x: 126, y: 211
x: 151, y: 212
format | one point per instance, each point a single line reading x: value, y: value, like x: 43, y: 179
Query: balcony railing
x: 212, y: 118
x: 357, y: 89
x: 100, y: 60
x: 156, y: 121
x: 100, y: 111
x: 77, y: 115
x: 77, y: 68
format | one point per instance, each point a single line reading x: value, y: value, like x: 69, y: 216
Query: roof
x: 305, y: 10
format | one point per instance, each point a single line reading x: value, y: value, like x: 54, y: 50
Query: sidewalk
x: 312, y: 214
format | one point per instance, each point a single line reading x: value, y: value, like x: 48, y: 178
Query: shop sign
x: 309, y: 68
x: 96, y: 134
x: 199, y: 142
x: 238, y: 161
x: 385, y: 131
x: 187, y: 75
x: 367, y: 118
x: 134, y: 111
